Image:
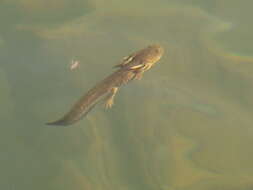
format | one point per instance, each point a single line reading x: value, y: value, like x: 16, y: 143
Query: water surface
x: 186, y: 125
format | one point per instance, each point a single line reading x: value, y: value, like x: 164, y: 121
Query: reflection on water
x: 186, y: 125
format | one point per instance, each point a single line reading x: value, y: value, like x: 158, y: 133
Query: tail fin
x: 74, y: 115
x: 60, y: 122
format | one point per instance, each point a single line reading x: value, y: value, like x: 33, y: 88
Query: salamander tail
x: 60, y: 122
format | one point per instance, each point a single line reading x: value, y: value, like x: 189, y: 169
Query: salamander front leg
x: 139, y: 72
x: 110, y: 97
x: 138, y: 75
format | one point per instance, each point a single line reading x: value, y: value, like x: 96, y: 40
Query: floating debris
x: 74, y: 64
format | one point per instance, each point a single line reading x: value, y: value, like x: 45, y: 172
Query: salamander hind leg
x: 110, y: 97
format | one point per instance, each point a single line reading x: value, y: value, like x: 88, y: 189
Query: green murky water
x: 186, y: 126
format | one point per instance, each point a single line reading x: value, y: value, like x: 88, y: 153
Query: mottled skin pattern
x: 132, y: 67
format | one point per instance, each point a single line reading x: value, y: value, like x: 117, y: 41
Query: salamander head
x: 153, y: 53
x: 148, y: 55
